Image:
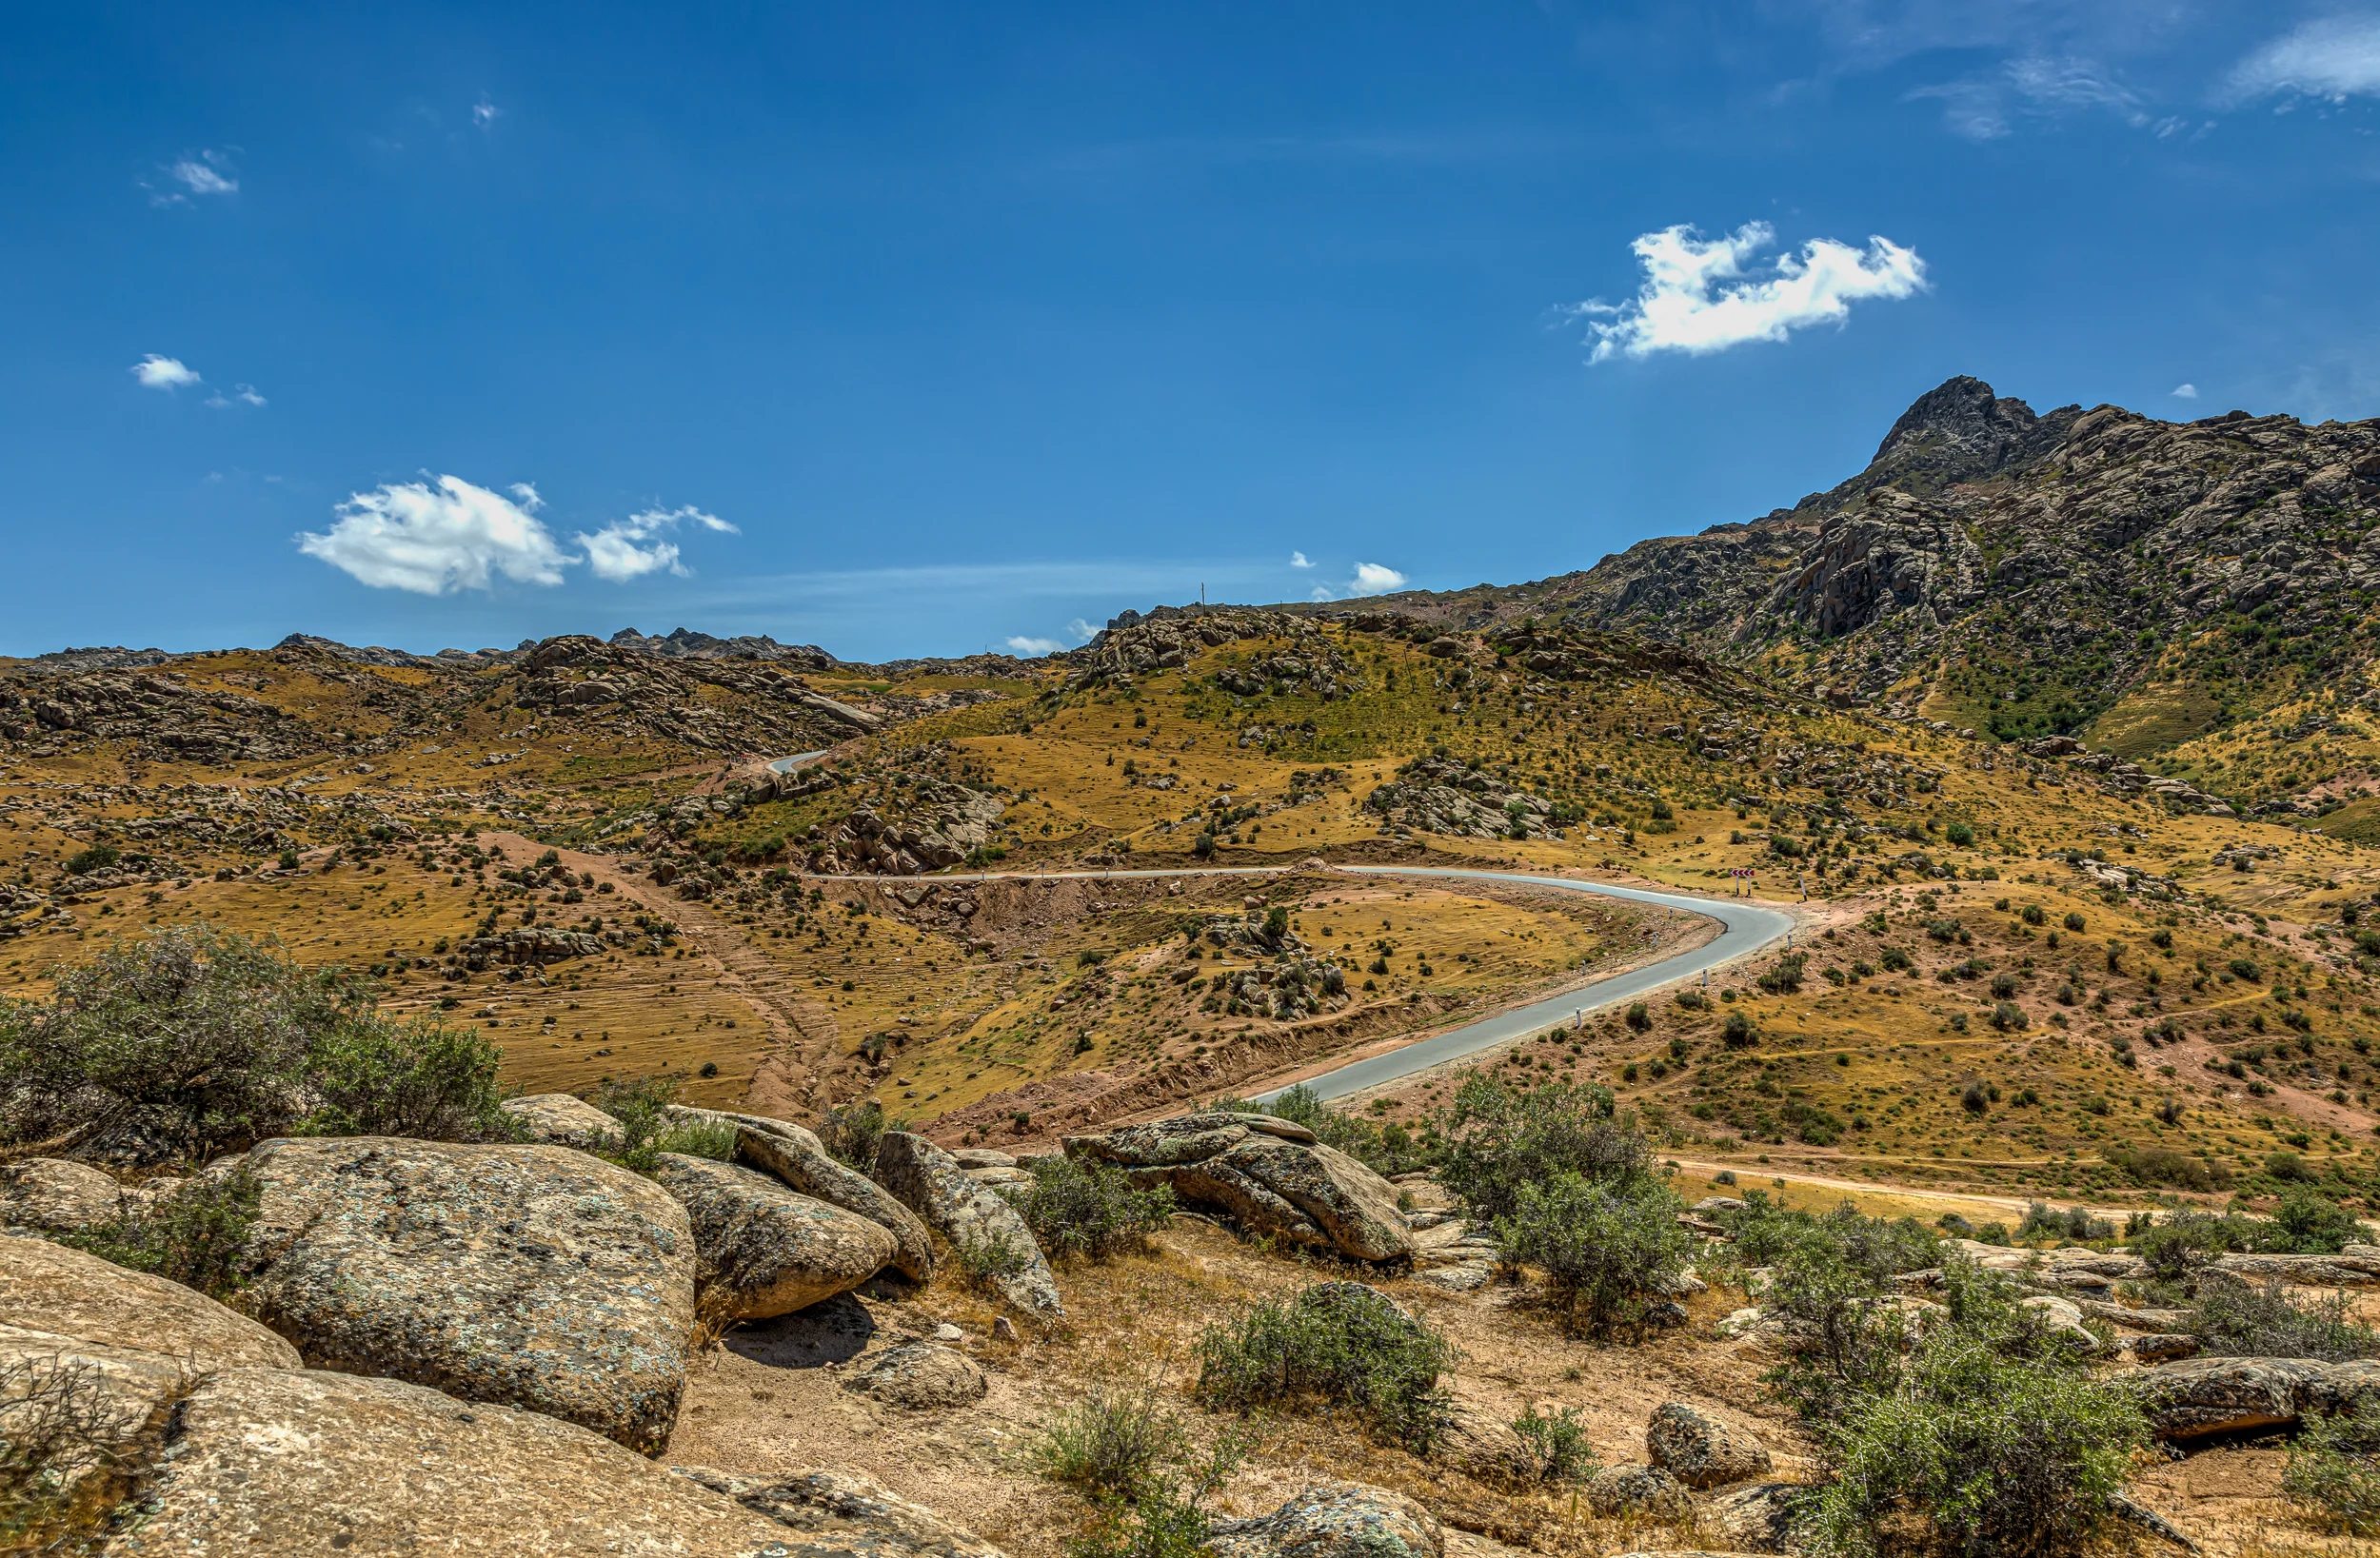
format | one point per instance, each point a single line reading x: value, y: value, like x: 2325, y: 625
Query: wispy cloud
x: 1368, y: 579
x: 1986, y: 107
x: 206, y: 172
x: 2185, y: 392
x: 439, y: 537
x: 1298, y: 559
x: 1033, y: 646
x: 629, y: 548
x: 1702, y: 295
x: 239, y: 395
x: 483, y: 112
x: 2333, y: 57
x: 155, y: 372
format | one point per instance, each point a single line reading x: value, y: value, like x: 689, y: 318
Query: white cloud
x: 484, y: 113
x: 204, y: 174
x: 155, y: 372
x: 2334, y: 58
x: 1698, y: 297
x: 1082, y: 631
x: 626, y: 549
x: 1034, y: 647
x: 2185, y: 392
x: 435, y: 540
x: 242, y: 394
x: 1375, y: 579
x: 1298, y: 559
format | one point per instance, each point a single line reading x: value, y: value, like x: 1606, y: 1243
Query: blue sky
x: 912, y: 330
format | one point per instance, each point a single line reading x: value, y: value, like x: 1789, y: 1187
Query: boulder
x: 763, y: 1250
x: 117, y: 1397
x: 55, y: 1196
x: 2064, y: 1319
x: 1464, y: 1276
x: 796, y: 1157
x: 66, y: 1293
x: 2156, y: 1347
x: 532, y: 1277
x: 926, y: 1181
x: 2222, y: 1396
x: 1335, y: 1520
x: 1637, y: 1491
x: 983, y: 1157
x: 1758, y: 1517
x: 1268, y: 1179
x: 923, y: 1376
x: 1699, y: 1450
x: 849, y: 1512
x: 560, y: 1119
x: 267, y: 1463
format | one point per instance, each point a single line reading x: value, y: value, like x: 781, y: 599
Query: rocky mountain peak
x: 1960, y: 431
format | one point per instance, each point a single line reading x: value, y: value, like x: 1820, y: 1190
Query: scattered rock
x: 2159, y: 1348
x: 1756, y: 1518
x: 796, y: 1157
x: 267, y: 1463
x: 560, y: 1119
x: 1335, y: 1520
x: 858, y: 1516
x: 1636, y: 1489
x: 1466, y: 1277
x: 535, y: 1276
x: 763, y: 1250
x: 926, y: 1181
x: 1699, y: 1450
x: 2065, y: 1321
x: 1302, y: 1190
x: 923, y: 1376
x: 67, y: 1293
x: 55, y: 1196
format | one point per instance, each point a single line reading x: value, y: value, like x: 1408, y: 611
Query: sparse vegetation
x: 1337, y: 1347
x: 1091, y: 1210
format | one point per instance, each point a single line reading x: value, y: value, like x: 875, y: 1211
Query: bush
x: 1113, y: 1443
x: 2234, y: 1320
x: 1738, y: 1032
x: 97, y: 858
x: 1784, y: 978
x: 2334, y: 1470
x: 194, y: 1236
x: 2075, y: 1223
x: 1829, y: 1281
x: 1335, y: 1346
x: 68, y: 1455
x: 1640, y: 1016
x: 1500, y: 1139
x: 1555, y: 1445
x: 851, y: 1133
x: 1607, y: 1247
x: 1167, y: 1518
x: 1986, y: 1439
x: 2169, y: 1166
x: 646, y: 1130
x: 1091, y: 1210
x: 192, y: 1041
x: 1383, y: 1148
x: 2009, y: 1017
x: 2313, y: 1223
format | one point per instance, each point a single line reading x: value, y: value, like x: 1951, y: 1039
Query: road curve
x: 1746, y: 927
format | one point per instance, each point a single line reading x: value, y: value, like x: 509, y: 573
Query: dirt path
x: 1994, y: 1204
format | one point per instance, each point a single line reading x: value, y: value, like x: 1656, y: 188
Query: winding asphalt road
x: 1745, y: 928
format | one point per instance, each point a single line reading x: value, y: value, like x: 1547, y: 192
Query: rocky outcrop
x: 1618, y: 1490
x: 764, y: 1250
x: 533, y: 1277
x: 798, y: 1159
x: 561, y: 1119
x: 927, y: 1181
x: 940, y: 824
x: 923, y: 1376
x: 848, y: 1512
x: 1254, y: 1168
x: 2200, y: 1396
x: 1440, y: 794
x: 1169, y: 638
x: 1335, y: 1520
x: 1699, y: 1450
x: 51, y: 1194
x: 266, y: 1463
x: 62, y: 1292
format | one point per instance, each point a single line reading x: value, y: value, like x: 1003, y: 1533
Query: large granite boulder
x: 923, y: 1376
x: 273, y: 1464
x: 2223, y: 1395
x: 47, y: 1287
x: 561, y: 1119
x: 55, y: 1196
x: 1269, y: 1174
x: 847, y: 1511
x: 1335, y: 1520
x: 796, y: 1157
x: 763, y: 1250
x: 1699, y: 1450
x: 930, y: 1183
x: 533, y: 1277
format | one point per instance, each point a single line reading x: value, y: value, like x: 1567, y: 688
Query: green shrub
x: 1784, y: 978
x: 1606, y: 1246
x: 1383, y: 1148
x: 1337, y: 1345
x: 1500, y: 1139
x: 996, y: 1255
x: 2074, y: 1225
x: 2234, y: 1320
x: 194, y: 1236
x: 1986, y: 1439
x: 1112, y: 1443
x: 1167, y: 1518
x: 851, y: 1133
x: 2313, y: 1223
x: 1555, y: 1445
x: 2334, y: 1471
x: 1738, y: 1032
x: 1091, y: 1210
x: 374, y: 1076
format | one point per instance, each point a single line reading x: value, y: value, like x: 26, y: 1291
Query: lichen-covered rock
x: 271, y: 1464
x: 50, y: 1288
x: 560, y: 1119
x: 763, y: 1250
x: 1335, y: 1520
x: 1699, y: 1450
x: 2158, y: 1347
x: 1636, y: 1489
x: 2221, y: 1395
x: 55, y: 1196
x: 1276, y: 1180
x: 851, y: 1513
x: 927, y: 1181
x: 1758, y: 1517
x: 535, y: 1276
x: 796, y: 1157
x: 924, y: 1376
